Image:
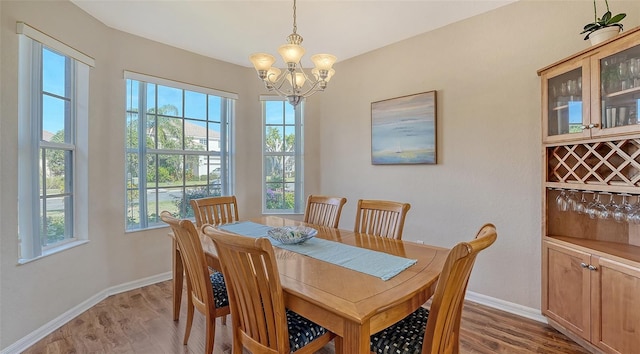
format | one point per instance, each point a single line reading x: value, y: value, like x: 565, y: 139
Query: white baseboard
x: 59, y: 321
x: 527, y: 312
x: 33, y: 337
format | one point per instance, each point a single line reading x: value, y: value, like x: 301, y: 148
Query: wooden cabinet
x: 593, y: 93
x: 591, y: 192
x: 592, y: 293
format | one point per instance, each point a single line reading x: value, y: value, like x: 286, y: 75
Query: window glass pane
x: 132, y: 130
x: 195, y: 134
x: 169, y: 101
x: 151, y: 98
x: 274, y: 112
x: 192, y: 193
x: 290, y: 138
x: 171, y: 200
x: 55, y: 168
x: 289, y: 114
x: 54, y: 68
x: 132, y: 96
x: 169, y: 133
x: 273, y: 168
x: 170, y: 170
x: 289, y: 196
x: 54, y: 225
x: 133, y: 209
x: 273, y: 139
x: 152, y: 206
x: 214, y: 137
x: 54, y: 111
x: 195, y: 169
x: 289, y: 168
x: 215, y: 109
x: 274, y: 196
x: 151, y: 132
x: 152, y: 171
x: 195, y: 105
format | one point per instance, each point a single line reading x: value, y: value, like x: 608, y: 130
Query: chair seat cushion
x: 219, y: 289
x: 404, y: 337
x: 302, y: 331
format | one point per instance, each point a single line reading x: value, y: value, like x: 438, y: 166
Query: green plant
x: 607, y: 20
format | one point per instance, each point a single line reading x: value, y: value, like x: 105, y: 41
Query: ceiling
x: 231, y: 30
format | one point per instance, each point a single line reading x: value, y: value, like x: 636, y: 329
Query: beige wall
x: 489, y: 133
x: 35, y: 293
x: 484, y: 70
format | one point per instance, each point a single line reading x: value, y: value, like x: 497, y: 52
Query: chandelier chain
x: 295, y: 26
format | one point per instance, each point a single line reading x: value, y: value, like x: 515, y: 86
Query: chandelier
x: 294, y: 83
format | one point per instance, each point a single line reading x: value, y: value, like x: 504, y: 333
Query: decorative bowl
x: 291, y: 235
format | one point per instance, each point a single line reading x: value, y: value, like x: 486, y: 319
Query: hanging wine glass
x: 572, y: 199
x: 608, y: 209
x: 634, y: 216
x: 623, y: 211
x: 581, y: 206
x: 561, y: 201
x: 592, y: 207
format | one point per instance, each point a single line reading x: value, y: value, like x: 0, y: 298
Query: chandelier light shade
x: 294, y: 82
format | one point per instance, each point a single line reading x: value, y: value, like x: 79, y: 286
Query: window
x: 53, y: 115
x: 178, y: 147
x: 282, y: 157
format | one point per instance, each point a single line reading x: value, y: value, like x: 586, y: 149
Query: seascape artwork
x: 403, y: 130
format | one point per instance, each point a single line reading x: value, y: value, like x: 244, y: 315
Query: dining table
x: 349, y: 303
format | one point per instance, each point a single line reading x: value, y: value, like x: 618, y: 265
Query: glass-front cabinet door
x: 618, y: 76
x: 566, y: 99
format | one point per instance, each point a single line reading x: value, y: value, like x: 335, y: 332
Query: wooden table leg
x: 178, y: 276
x: 356, y: 339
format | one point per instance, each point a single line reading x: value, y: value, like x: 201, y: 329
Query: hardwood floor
x: 140, y: 321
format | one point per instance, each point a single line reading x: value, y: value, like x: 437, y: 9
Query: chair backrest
x: 442, y: 334
x: 194, y: 261
x: 255, y: 293
x: 381, y: 218
x: 215, y: 210
x: 324, y: 210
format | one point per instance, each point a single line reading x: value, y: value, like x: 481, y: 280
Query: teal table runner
x: 379, y: 264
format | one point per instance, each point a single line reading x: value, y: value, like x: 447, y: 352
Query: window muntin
x: 186, y: 149
x: 282, y: 157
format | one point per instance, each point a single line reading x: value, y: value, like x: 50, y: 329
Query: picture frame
x: 403, y: 130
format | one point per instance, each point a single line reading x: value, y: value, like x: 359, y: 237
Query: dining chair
x: 324, y: 210
x: 261, y: 323
x: 381, y: 218
x: 215, y: 210
x: 437, y: 330
x: 205, y: 292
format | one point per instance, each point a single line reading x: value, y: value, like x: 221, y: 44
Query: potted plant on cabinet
x: 603, y: 28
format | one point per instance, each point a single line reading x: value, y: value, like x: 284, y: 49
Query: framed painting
x: 403, y: 130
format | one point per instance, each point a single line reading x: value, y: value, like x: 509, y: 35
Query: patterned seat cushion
x: 219, y: 289
x: 404, y: 337
x: 302, y: 331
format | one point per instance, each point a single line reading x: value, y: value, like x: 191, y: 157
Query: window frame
x: 298, y: 154
x: 143, y: 152
x: 32, y: 148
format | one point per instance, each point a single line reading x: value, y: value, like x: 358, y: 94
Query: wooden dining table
x: 351, y: 304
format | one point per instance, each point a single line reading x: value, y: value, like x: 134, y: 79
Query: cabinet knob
x: 584, y: 265
x: 592, y: 267
x: 583, y: 127
x: 594, y: 125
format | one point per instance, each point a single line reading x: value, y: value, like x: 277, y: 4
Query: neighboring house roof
x: 47, y: 135
x: 197, y: 131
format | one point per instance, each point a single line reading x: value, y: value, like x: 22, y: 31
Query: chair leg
x: 190, y: 308
x: 211, y: 333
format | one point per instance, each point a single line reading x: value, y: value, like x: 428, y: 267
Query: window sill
x: 54, y: 250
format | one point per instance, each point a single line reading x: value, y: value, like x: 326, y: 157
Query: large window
x: 53, y: 99
x: 178, y: 147
x: 282, y: 157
